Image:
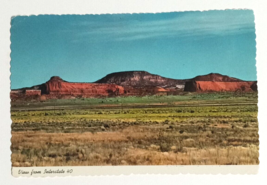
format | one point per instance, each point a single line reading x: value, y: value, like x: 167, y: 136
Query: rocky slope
x: 215, y: 82
x: 134, y: 83
x: 57, y: 86
x: 213, y: 86
x: 141, y: 79
x: 41, y: 87
x: 216, y: 77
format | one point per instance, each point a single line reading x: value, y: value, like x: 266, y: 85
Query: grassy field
x: 188, y: 129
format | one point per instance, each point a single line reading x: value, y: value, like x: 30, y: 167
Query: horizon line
x: 137, y: 71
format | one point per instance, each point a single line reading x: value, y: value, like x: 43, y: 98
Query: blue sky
x: 85, y: 48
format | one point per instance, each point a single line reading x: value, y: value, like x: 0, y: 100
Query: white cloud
x: 188, y: 24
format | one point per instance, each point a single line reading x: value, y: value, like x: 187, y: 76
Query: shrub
x: 164, y: 147
x: 246, y: 125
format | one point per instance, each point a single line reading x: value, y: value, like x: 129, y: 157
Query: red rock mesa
x: 133, y: 83
x: 210, y: 86
x: 57, y: 86
x: 215, y: 82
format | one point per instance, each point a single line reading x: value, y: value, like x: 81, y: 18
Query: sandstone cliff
x: 216, y: 77
x: 213, y: 86
x: 57, y: 86
x: 133, y: 83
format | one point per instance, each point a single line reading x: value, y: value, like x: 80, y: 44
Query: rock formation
x: 216, y: 77
x: 213, y: 86
x: 141, y: 79
x: 133, y: 83
x: 254, y: 86
x: 57, y: 86
x: 143, y: 91
x: 215, y: 82
x: 32, y: 92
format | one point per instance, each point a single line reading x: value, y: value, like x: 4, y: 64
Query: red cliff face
x: 209, y: 86
x: 57, y: 86
x: 215, y: 82
x: 133, y: 83
x: 216, y: 77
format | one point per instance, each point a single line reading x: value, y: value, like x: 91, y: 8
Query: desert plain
x: 215, y: 128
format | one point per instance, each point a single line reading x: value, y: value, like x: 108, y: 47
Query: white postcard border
x: 32, y: 7
x: 59, y: 171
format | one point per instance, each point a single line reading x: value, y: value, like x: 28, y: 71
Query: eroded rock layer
x: 211, y: 86
x: 132, y: 83
x: 215, y: 77
x: 57, y: 86
x: 140, y: 79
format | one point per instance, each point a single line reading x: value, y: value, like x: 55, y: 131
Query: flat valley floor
x: 188, y: 129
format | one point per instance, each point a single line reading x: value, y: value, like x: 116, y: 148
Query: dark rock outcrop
x: 141, y: 79
x: 254, y: 86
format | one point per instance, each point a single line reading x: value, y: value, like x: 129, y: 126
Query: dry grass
x: 189, y: 135
x: 136, y: 145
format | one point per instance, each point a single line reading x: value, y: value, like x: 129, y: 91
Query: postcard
x: 92, y: 93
